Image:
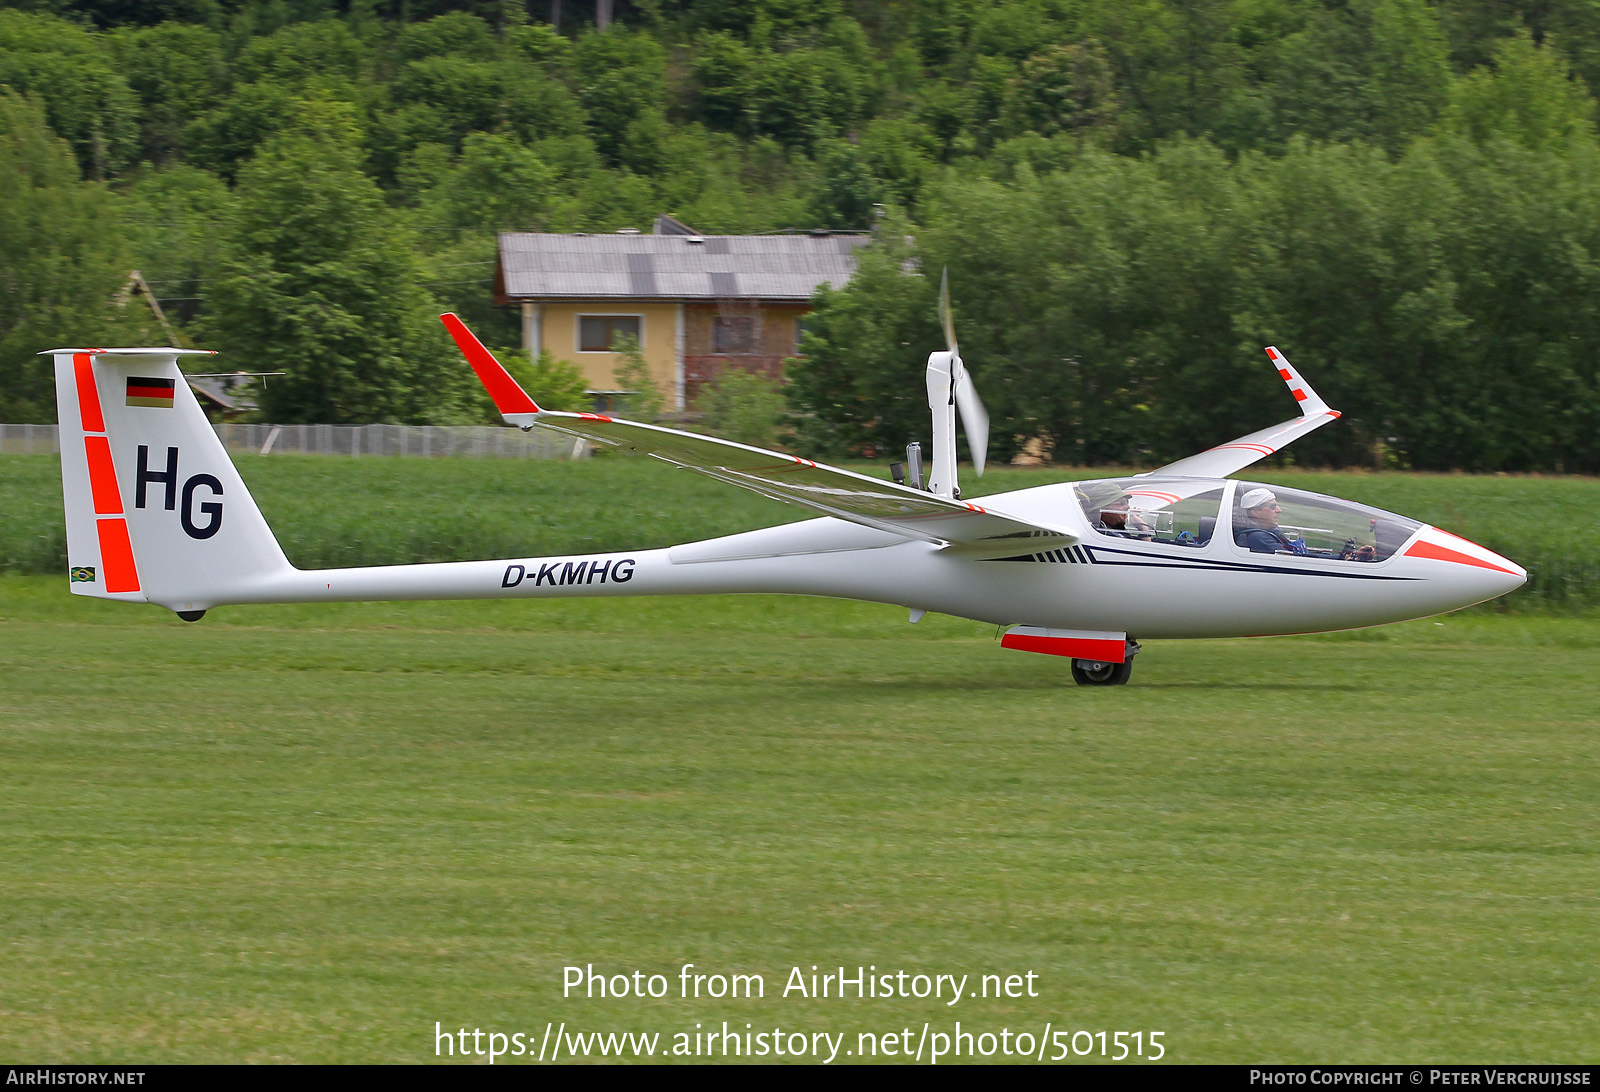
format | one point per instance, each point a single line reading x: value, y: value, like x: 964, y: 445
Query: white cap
x: 1256, y: 498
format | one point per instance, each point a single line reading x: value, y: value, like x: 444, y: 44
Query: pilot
x: 1260, y: 534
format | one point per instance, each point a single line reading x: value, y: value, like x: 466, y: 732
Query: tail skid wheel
x: 1101, y: 673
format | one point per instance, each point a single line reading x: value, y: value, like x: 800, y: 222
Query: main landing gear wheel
x: 1100, y: 673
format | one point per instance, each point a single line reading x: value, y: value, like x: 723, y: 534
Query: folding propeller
x: 973, y: 416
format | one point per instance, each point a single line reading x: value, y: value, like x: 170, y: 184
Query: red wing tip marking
x: 1283, y: 373
x: 1299, y: 395
x: 594, y: 417
x: 508, y: 395
x: 1262, y: 448
x: 1273, y: 353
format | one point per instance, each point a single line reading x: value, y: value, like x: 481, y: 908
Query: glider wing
x: 1235, y: 455
x: 886, y: 506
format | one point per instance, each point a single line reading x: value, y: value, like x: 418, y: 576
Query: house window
x: 599, y: 333
x: 733, y: 335
x: 799, y: 332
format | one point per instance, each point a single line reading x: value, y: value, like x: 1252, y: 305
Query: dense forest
x: 1132, y: 198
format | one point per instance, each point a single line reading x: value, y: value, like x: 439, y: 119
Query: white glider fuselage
x: 1106, y: 583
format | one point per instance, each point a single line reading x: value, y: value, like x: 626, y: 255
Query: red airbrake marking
x: 1434, y: 552
x: 594, y: 417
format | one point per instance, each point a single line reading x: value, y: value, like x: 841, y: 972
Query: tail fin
x: 156, y: 512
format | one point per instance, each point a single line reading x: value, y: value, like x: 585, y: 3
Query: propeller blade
x: 944, y: 313
x: 974, y: 418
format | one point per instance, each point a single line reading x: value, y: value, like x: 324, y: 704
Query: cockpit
x: 1187, y: 513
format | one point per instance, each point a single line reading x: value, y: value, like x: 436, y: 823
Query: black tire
x: 1100, y: 673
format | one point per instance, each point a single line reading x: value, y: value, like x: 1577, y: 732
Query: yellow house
x: 695, y: 303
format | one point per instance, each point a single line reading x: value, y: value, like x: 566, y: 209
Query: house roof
x: 674, y: 267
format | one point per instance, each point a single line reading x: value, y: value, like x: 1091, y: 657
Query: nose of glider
x: 1479, y: 573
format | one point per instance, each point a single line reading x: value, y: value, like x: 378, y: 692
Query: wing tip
x: 508, y: 395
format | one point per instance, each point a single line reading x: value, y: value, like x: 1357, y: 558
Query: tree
x: 1375, y: 71
x: 744, y: 407
x: 622, y: 85
x: 1529, y: 97
x: 320, y: 283
x: 176, y: 218
x: 178, y: 73
x: 632, y: 374
x: 85, y: 97
x: 1063, y: 89
x: 66, y: 256
x: 846, y: 190
x: 865, y: 348
x: 552, y: 383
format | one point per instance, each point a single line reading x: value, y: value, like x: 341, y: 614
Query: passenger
x: 1260, y: 534
x: 1115, y: 519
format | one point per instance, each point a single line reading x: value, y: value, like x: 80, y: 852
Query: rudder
x: 156, y: 511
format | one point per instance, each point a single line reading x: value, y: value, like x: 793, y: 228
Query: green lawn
x: 308, y: 833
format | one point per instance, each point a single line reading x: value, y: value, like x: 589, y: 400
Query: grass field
x: 309, y: 833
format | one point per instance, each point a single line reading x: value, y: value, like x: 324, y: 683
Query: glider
x: 157, y: 513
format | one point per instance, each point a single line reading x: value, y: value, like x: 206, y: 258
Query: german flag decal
x: 82, y: 574
x: 156, y: 393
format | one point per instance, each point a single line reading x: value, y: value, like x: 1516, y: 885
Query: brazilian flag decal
x: 82, y: 573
